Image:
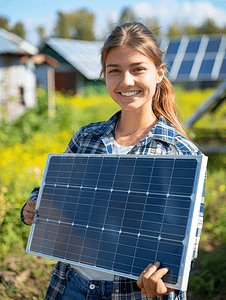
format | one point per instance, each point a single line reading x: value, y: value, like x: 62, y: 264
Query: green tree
x: 209, y: 27
x: 42, y: 34
x: 153, y: 25
x: 189, y: 30
x: 62, y: 28
x: 19, y: 30
x: 174, y: 31
x: 82, y: 25
x: 4, y: 23
x: 77, y: 25
x: 127, y: 15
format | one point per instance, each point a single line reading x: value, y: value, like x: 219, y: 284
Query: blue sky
x: 35, y: 13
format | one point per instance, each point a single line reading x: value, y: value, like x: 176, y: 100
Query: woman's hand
x: 150, y: 281
x: 29, y: 211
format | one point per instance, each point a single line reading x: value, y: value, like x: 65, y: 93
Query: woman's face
x: 131, y: 78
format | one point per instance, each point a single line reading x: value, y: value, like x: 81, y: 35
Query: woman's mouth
x: 129, y: 94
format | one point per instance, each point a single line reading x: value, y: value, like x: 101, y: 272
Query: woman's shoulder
x: 173, y: 137
x: 185, y: 145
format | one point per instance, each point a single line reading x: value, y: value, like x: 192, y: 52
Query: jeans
x: 80, y: 289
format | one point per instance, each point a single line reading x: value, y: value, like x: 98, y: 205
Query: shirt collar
x: 161, y: 131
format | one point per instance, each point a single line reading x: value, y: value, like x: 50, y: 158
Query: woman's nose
x: 127, y: 79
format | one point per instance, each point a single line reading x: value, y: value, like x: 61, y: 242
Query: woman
x: 147, y: 124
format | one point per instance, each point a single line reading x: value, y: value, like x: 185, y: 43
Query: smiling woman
x: 147, y: 124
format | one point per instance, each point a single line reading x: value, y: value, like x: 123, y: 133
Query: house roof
x: 82, y: 55
x: 13, y: 44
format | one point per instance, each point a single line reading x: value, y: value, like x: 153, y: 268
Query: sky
x: 35, y: 13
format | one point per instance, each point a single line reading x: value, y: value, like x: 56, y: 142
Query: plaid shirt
x: 97, y: 138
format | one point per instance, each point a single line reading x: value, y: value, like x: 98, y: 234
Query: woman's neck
x: 133, y: 127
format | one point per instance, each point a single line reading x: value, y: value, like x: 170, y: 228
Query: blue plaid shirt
x: 97, y: 138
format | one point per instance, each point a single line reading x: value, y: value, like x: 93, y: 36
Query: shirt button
x: 92, y: 286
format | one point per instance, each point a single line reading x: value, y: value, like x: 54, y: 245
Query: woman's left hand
x: 150, y: 281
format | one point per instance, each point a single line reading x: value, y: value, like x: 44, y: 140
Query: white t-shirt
x: 91, y: 274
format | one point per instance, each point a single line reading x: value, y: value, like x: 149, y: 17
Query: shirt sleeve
x: 73, y: 146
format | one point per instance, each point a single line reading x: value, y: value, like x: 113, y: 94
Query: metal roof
x: 13, y: 44
x: 82, y: 55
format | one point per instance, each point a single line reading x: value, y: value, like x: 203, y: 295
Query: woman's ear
x: 160, y: 73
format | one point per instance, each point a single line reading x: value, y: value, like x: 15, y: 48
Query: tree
x: 127, y: 15
x: 4, y: 23
x: 19, y: 30
x: 174, y: 31
x: 82, y: 24
x: 42, y: 34
x: 153, y: 25
x: 77, y: 25
x: 208, y: 27
x: 189, y: 30
x: 62, y: 29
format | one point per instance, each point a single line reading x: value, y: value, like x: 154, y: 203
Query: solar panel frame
x: 191, y: 225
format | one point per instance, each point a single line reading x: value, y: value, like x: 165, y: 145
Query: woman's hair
x: 139, y: 37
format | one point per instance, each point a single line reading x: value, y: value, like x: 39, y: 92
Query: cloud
x: 169, y: 11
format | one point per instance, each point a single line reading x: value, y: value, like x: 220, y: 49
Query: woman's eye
x: 114, y: 71
x: 139, y: 69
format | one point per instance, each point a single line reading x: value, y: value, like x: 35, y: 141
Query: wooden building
x: 79, y: 64
x: 17, y: 75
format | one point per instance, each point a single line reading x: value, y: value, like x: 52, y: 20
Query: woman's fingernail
x: 157, y: 263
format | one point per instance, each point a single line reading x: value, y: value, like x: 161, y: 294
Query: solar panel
x: 120, y: 213
x: 193, y: 58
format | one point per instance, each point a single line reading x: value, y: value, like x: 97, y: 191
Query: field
x: 24, y: 145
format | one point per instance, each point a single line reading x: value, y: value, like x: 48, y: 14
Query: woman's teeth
x: 128, y: 94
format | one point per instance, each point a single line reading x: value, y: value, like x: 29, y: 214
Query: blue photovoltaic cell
x: 116, y: 213
x: 206, y: 67
x: 193, y: 46
x: 223, y: 68
x: 173, y: 47
x: 186, y: 67
x: 213, y: 45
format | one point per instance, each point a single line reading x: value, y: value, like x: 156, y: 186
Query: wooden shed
x: 17, y: 77
x: 79, y: 64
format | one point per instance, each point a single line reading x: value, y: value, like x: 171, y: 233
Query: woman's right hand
x: 29, y: 211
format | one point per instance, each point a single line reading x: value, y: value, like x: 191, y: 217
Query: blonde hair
x: 138, y: 36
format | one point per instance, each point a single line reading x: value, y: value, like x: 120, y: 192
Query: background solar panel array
x: 116, y: 213
x: 199, y: 59
x: 195, y: 59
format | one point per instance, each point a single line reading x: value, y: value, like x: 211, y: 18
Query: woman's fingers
x: 150, y: 281
x: 154, y: 285
x: 29, y: 211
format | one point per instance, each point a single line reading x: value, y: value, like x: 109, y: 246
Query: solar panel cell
x: 135, y: 213
x: 193, y: 46
x: 173, y: 47
x: 213, y: 45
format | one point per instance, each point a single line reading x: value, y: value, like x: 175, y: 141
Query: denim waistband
x: 95, y: 287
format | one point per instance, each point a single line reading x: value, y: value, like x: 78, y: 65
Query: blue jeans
x: 74, y: 287
x: 80, y: 289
